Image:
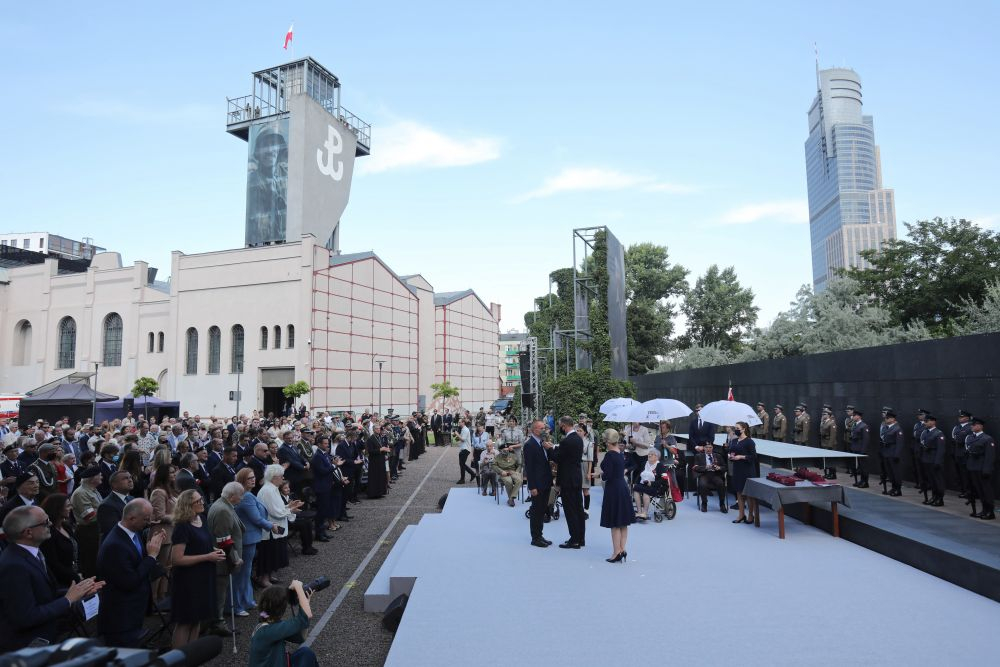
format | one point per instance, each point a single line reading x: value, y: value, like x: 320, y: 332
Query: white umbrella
x: 650, y: 411
x: 612, y: 403
x: 727, y: 413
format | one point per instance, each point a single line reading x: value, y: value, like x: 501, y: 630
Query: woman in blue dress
x: 616, y: 510
x: 743, y: 456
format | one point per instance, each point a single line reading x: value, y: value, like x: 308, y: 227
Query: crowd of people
x: 190, y: 516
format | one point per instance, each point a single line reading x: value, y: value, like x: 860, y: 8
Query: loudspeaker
x: 528, y: 401
x: 442, y: 500
x: 524, y: 361
x: 128, y: 404
x: 394, y: 613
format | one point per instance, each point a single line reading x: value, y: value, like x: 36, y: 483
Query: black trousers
x: 572, y: 503
x: 962, y: 472
x: 536, y: 515
x: 982, y: 488
x: 858, y: 467
x: 352, y: 494
x: 890, y: 468
x: 463, y: 456
x: 933, y: 479
x: 918, y: 468
x: 438, y: 438
x: 710, y: 482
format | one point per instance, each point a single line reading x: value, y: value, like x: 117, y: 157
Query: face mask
x: 115, y: 458
x: 738, y: 431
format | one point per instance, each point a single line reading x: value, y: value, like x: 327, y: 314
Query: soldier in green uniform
x: 828, y: 437
x: 762, y: 430
x: 801, y: 430
x: 508, y: 469
x: 779, y: 425
x: 848, y: 425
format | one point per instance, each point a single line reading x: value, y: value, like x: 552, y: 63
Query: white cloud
x: 791, y: 211
x: 584, y: 179
x: 409, y: 144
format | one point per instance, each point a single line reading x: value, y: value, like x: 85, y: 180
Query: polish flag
x: 730, y: 398
x: 288, y: 36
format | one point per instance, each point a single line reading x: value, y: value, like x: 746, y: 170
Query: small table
x: 778, y: 495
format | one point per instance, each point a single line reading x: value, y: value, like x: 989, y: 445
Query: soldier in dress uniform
x: 884, y: 477
x: 779, y: 425
x: 932, y: 450
x: 918, y: 429
x: 859, y: 445
x: 980, y: 459
x: 959, y: 434
x: 848, y: 425
x: 801, y: 431
x: 828, y: 437
x: 762, y: 430
x: 890, y: 451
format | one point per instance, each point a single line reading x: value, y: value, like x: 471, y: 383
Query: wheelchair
x: 662, y: 504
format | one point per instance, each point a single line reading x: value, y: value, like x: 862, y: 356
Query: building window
x: 67, y: 343
x: 159, y: 342
x: 214, y: 350
x: 236, y: 362
x: 263, y: 338
x: 151, y: 341
x: 113, y: 340
x: 22, y: 343
x: 191, y: 367
x: 291, y: 336
x: 26, y: 244
x: 277, y: 337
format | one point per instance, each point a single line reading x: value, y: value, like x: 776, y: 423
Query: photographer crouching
x: 267, y: 643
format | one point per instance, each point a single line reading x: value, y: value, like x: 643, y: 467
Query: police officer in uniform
x: 932, y: 450
x: 801, y: 432
x: 762, y: 430
x: 959, y: 434
x: 779, y: 425
x: 859, y: 445
x: 828, y: 437
x: 890, y: 451
x: 980, y: 459
x: 918, y: 429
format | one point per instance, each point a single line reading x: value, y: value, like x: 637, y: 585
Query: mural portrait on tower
x: 267, y: 182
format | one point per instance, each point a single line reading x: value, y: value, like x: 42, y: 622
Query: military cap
x: 923, y: 411
x: 827, y: 410
x: 849, y: 407
x: 886, y: 408
x: 9, y: 447
x: 930, y: 418
x: 858, y: 412
x: 760, y: 404
x: 93, y: 471
x: 890, y: 413
x: 778, y: 406
x: 977, y: 420
x: 23, y: 477
x: 964, y: 413
x: 827, y: 406
x: 800, y: 407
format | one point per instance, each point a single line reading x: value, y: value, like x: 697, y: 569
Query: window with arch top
x: 112, y: 340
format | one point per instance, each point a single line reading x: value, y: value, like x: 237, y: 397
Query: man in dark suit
x: 225, y: 472
x: 539, y: 476
x: 699, y: 430
x: 216, y: 452
x: 569, y: 478
x: 297, y: 466
x: 185, y: 476
x: 30, y: 604
x: 109, y: 512
x: 711, y: 469
x: 108, y: 466
x: 127, y: 565
x: 437, y: 424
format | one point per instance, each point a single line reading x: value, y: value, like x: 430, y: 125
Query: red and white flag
x: 730, y: 397
x: 288, y: 36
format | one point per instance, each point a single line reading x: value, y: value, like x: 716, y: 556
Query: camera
x: 314, y: 586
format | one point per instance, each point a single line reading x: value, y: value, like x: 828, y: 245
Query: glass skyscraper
x: 849, y: 210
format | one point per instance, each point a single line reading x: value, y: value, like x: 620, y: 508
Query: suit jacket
x: 30, y: 605
x: 10, y: 468
x: 214, y: 459
x: 296, y: 465
x: 127, y: 576
x: 700, y: 435
x: 186, y: 480
x: 701, y: 463
x: 221, y: 475
x: 568, y: 456
x: 222, y: 521
x: 107, y: 470
x: 536, y: 466
x: 436, y: 423
x: 109, y: 513
x: 322, y: 467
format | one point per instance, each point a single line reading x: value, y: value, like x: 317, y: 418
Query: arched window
x: 159, y: 342
x: 191, y: 367
x: 22, y: 343
x: 113, y: 340
x: 236, y: 359
x: 151, y: 341
x: 277, y: 337
x: 291, y: 335
x: 263, y: 338
x: 67, y: 343
x: 214, y: 350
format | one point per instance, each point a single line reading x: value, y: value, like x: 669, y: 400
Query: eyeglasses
x: 47, y: 523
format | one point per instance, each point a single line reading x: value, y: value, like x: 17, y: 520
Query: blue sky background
x: 498, y: 128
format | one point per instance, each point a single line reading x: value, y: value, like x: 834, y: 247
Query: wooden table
x: 778, y: 495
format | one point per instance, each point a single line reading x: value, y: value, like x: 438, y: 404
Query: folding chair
x: 161, y: 611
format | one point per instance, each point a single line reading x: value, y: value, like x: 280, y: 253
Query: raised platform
x: 480, y: 594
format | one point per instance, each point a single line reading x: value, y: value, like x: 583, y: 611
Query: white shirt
x: 466, y: 438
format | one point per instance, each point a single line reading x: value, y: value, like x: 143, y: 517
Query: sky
x: 498, y: 128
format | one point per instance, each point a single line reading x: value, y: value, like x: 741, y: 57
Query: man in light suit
x: 539, y: 476
x: 569, y: 477
x: 109, y: 512
x: 223, y: 523
x: 127, y: 564
x: 30, y: 604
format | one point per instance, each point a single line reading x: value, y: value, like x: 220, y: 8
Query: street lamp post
x: 93, y: 416
x: 379, y: 362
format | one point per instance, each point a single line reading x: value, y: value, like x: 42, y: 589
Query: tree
x: 696, y: 356
x: 584, y: 391
x: 444, y: 390
x: 982, y: 317
x: 146, y: 387
x: 929, y: 276
x: 720, y: 313
x: 295, y: 390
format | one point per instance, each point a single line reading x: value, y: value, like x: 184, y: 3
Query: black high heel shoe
x: 617, y: 559
x: 742, y: 519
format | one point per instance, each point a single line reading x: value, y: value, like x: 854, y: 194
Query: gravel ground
x: 350, y: 635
